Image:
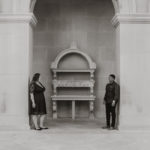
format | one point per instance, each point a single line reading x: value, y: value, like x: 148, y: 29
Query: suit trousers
x: 110, y: 114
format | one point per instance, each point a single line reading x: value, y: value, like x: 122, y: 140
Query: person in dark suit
x: 37, y: 102
x: 111, y: 98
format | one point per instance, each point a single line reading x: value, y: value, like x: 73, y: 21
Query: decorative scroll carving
x: 73, y: 83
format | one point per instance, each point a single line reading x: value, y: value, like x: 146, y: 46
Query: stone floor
x: 73, y: 135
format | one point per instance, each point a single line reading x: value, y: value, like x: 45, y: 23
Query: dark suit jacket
x: 112, y: 92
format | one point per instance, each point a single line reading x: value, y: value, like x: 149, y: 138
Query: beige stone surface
x: 134, y: 71
x: 15, y: 61
x: 88, y: 22
x: 73, y: 135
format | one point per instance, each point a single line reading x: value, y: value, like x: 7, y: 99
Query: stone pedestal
x: 15, y: 57
x: 133, y: 46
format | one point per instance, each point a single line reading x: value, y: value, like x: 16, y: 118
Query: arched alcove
x: 76, y: 52
x: 71, y: 60
x: 86, y: 22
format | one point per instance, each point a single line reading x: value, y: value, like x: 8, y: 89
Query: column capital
x: 18, y: 18
x: 130, y: 19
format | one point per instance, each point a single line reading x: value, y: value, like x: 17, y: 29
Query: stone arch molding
x: 72, y: 50
x: 120, y: 6
x: 131, y: 6
x: 32, y: 5
x: 17, y: 6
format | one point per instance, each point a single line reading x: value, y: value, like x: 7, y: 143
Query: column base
x: 12, y: 122
x: 134, y: 123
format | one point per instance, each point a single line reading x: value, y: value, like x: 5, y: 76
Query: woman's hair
x: 36, y: 77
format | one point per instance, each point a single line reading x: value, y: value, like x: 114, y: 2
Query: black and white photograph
x: 74, y: 74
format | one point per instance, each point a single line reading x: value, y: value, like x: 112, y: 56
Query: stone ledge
x: 130, y: 19
x: 18, y: 18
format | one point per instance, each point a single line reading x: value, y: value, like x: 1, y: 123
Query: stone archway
x: 91, y: 36
x: 132, y: 16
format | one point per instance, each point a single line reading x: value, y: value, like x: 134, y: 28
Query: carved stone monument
x: 63, y: 83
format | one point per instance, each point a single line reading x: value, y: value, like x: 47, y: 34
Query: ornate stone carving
x: 72, y: 50
x: 73, y: 83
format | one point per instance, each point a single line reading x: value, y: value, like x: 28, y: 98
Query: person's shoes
x: 112, y: 128
x: 43, y: 128
x: 38, y: 129
x: 106, y: 127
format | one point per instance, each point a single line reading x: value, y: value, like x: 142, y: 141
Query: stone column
x: 15, y: 62
x: 132, y: 23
